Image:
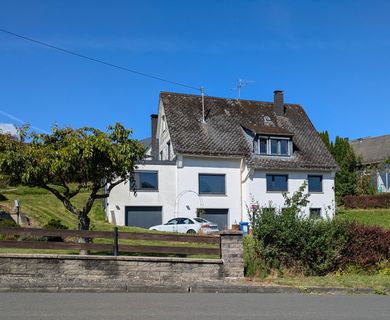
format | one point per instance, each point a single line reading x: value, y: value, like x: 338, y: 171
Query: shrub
x: 367, y: 246
x: 367, y: 201
x: 289, y: 242
x: 55, y: 224
x: 285, y: 241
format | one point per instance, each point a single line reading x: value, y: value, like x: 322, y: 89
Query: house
x: 373, y: 153
x: 7, y: 128
x: 217, y: 157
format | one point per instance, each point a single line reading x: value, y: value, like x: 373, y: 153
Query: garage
x: 143, y: 217
x: 218, y: 216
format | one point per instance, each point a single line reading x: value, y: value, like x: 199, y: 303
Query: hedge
x: 367, y: 201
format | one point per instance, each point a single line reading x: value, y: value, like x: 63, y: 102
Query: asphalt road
x: 166, y: 306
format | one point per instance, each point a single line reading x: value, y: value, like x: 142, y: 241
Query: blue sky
x: 333, y: 57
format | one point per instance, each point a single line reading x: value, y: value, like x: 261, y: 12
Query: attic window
x: 163, y: 123
x: 273, y: 146
x: 267, y: 120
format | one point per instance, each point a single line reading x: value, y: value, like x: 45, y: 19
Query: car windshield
x: 200, y: 220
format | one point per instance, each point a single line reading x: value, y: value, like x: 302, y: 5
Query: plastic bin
x: 244, y: 227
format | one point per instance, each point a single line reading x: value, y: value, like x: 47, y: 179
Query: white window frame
x: 269, y: 138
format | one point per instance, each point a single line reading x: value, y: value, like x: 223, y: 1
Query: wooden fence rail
x: 115, y: 247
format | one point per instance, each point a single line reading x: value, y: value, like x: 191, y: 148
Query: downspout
x: 241, y: 183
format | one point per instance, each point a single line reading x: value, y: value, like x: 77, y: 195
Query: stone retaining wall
x: 71, y: 271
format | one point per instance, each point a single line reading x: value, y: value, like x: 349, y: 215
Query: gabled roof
x: 225, y: 134
x: 372, y: 149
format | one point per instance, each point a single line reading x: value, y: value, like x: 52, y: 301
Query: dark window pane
x: 146, y: 180
x: 212, y: 183
x: 315, y: 183
x: 263, y: 145
x: 277, y: 182
x: 283, y: 147
x: 315, y: 213
x: 274, y: 146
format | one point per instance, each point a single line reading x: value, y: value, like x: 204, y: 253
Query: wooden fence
x: 115, y: 247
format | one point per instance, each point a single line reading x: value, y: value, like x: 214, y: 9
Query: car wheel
x: 191, y: 231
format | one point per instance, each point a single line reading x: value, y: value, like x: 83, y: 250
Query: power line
x: 98, y: 61
x: 12, y: 117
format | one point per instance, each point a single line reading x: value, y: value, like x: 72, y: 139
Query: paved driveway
x: 99, y: 306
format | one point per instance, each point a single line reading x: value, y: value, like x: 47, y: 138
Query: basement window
x: 315, y: 213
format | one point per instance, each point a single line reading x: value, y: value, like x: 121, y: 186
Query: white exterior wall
x: 256, y: 189
x: 178, y: 190
x: 121, y: 196
x: 164, y: 137
x: 188, y: 186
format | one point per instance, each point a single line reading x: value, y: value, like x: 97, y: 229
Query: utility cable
x: 98, y: 61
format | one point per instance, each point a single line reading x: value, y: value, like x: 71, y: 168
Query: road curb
x: 196, y: 288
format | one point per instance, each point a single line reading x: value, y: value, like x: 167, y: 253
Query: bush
x: 367, y: 201
x: 55, y: 224
x: 367, y: 246
x: 289, y: 242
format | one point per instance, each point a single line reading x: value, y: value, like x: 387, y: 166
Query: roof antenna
x: 202, y: 93
x: 241, y: 83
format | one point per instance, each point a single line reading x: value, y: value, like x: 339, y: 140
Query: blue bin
x: 244, y: 227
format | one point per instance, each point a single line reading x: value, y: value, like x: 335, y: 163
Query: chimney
x: 278, y: 103
x: 154, y: 140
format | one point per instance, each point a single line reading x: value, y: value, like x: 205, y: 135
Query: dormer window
x: 273, y: 146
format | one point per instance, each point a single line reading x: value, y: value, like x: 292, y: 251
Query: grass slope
x: 41, y: 206
x: 373, y: 217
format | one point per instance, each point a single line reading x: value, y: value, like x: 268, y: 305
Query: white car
x: 187, y: 225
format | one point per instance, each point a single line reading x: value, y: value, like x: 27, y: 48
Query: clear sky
x: 333, y: 57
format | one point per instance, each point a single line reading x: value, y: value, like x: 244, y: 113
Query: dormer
x: 269, y: 140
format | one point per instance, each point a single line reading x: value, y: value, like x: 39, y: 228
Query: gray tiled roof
x: 228, y: 120
x: 372, y: 149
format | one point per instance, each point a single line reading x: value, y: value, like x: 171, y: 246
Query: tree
x: 67, y: 161
x: 324, y: 135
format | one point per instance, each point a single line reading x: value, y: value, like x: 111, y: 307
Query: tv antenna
x: 241, y: 83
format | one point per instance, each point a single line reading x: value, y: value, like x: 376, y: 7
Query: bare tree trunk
x: 84, y: 223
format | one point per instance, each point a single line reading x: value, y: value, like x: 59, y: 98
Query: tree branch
x: 68, y: 205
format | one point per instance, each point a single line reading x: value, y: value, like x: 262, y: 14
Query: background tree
x: 350, y: 178
x: 68, y: 161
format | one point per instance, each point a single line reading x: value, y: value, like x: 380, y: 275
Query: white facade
x: 256, y: 190
x: 178, y: 190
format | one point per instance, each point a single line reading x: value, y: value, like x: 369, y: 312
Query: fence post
x: 116, y: 246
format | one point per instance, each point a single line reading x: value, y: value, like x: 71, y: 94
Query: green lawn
x: 41, y: 206
x: 377, y: 281
x: 374, y: 217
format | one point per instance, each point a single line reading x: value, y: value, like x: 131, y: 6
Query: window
x: 185, y: 221
x: 163, y: 123
x: 172, y: 221
x: 169, y: 150
x: 277, y: 182
x: 263, y: 145
x: 274, y: 146
x: 212, y: 183
x: 315, y: 183
x: 315, y: 213
x: 146, y: 180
